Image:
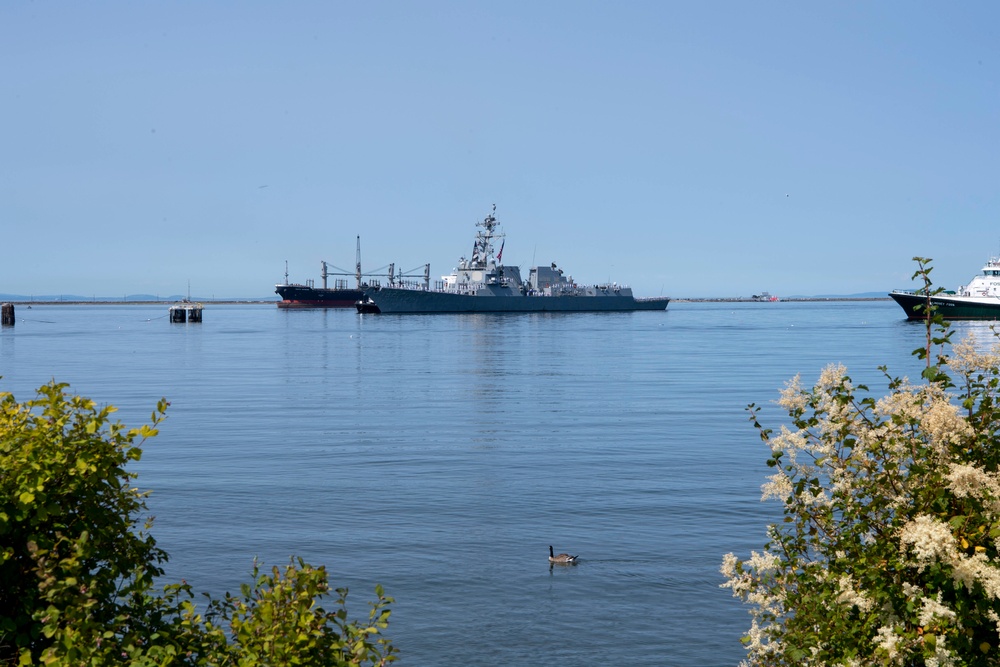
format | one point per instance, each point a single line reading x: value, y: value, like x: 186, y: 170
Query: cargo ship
x: 341, y: 295
x: 482, y: 284
x: 309, y: 296
x: 979, y: 300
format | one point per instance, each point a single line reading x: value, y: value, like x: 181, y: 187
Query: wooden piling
x: 7, y: 314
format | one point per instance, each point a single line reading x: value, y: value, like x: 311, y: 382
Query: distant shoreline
x: 139, y: 302
x: 263, y: 302
x: 782, y: 300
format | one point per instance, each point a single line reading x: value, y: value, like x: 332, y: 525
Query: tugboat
x: 979, y: 300
x: 482, y: 284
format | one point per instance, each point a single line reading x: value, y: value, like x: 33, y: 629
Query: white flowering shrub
x: 889, y: 549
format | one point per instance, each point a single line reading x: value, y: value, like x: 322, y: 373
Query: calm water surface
x: 441, y: 455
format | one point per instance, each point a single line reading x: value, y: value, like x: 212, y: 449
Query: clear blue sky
x: 685, y: 148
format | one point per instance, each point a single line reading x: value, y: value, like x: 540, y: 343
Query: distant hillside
x: 126, y: 298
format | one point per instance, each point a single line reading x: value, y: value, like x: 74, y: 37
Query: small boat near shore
x: 979, y: 300
x: 482, y: 284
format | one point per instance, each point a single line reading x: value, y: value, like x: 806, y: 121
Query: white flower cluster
x: 969, y: 359
x: 852, y: 597
x: 934, y: 612
x: 927, y: 410
x: 930, y: 540
x: 875, y: 460
x: 744, y: 579
x: 967, y: 481
x: 888, y: 641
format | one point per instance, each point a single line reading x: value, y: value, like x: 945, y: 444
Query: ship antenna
x: 357, y: 266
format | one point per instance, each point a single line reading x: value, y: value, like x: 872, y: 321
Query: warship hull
x: 395, y: 300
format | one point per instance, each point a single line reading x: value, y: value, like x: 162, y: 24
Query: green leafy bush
x: 77, y: 568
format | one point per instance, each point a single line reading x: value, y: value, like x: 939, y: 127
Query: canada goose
x: 560, y: 558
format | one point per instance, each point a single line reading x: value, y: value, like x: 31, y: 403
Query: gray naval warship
x: 482, y: 284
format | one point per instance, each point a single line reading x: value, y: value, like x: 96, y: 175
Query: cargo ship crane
x: 340, y: 295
